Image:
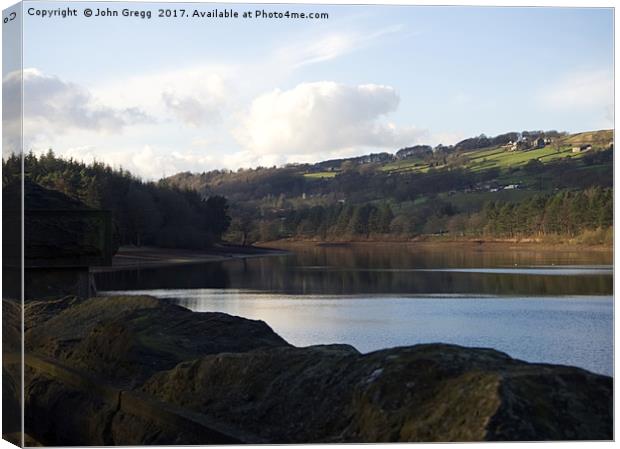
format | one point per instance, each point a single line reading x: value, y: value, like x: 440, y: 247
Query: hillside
x: 408, y: 160
x: 422, y: 190
x: 487, y: 157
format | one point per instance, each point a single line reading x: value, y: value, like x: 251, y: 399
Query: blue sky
x: 165, y: 95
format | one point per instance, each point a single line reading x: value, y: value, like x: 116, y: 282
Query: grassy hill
x: 411, y: 193
x: 497, y: 156
x: 599, y: 138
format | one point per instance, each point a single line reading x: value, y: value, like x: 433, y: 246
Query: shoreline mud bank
x: 487, y: 245
x: 130, y: 258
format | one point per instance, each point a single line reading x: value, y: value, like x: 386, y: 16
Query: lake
x: 536, y: 305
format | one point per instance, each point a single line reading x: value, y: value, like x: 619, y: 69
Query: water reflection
x: 541, y: 306
x: 388, y: 269
x: 572, y: 330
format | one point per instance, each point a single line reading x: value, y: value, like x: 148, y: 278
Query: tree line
x: 354, y: 220
x: 144, y: 213
x: 565, y: 214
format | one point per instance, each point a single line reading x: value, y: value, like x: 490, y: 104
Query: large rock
x: 126, y: 339
x: 144, y: 371
x: 431, y: 392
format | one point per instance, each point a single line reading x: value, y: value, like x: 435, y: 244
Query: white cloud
x: 54, y: 107
x: 586, y: 89
x: 148, y: 162
x: 323, y: 49
x: 195, y: 96
x: 51, y: 105
x: 191, y: 110
x: 329, y: 46
x: 322, y: 118
x: 203, y: 95
x: 311, y: 122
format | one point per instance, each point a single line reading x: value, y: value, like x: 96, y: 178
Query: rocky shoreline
x: 127, y: 370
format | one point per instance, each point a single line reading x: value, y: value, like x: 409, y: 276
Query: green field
x: 489, y: 158
x: 321, y: 175
x: 496, y: 157
x: 502, y: 158
x: 406, y: 165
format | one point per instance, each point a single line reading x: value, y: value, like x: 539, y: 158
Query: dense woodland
x: 566, y: 213
x: 478, y: 188
x: 144, y: 213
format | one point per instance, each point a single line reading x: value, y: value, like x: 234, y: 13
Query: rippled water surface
x: 540, y: 306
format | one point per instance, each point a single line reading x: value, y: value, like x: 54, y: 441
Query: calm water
x: 541, y: 306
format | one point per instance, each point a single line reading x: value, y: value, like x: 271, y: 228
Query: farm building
x: 582, y: 148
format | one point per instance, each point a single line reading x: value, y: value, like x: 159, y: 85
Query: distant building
x: 582, y: 148
x: 523, y: 144
x: 510, y: 145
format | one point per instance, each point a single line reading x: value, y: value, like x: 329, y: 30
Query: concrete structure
x: 62, y: 238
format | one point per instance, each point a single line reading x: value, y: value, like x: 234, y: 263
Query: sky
x: 163, y: 95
